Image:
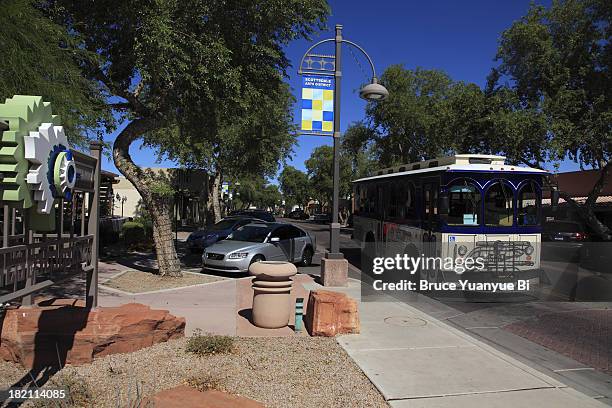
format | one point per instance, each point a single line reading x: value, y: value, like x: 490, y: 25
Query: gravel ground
x: 279, y: 372
x: 141, y: 282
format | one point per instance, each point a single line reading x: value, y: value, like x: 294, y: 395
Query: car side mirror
x: 274, y: 240
x: 443, y: 203
x: 554, y: 199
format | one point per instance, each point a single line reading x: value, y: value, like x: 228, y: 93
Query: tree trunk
x: 586, y: 211
x: 214, y: 186
x: 167, y: 259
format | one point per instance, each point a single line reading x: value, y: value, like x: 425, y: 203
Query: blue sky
x: 459, y: 37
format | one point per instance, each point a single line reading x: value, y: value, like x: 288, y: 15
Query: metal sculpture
x: 36, y: 162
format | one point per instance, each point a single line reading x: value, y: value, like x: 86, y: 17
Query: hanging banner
x: 317, y: 104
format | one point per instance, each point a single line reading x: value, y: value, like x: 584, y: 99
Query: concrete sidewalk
x: 416, y: 360
x: 222, y: 307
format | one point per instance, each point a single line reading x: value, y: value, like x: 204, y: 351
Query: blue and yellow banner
x: 317, y: 104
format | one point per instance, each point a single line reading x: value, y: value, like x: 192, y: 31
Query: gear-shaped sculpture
x: 23, y: 114
x: 46, y: 150
x: 34, y: 155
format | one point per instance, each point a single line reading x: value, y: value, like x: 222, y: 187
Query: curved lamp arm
x: 374, y: 77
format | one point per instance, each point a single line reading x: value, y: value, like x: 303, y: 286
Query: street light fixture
x: 373, y: 91
x: 331, y: 65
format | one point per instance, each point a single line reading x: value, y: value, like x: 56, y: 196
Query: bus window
x: 498, y: 208
x: 528, y: 204
x: 372, y: 199
x: 395, y: 200
x: 430, y: 202
x: 409, y: 206
x: 464, y: 204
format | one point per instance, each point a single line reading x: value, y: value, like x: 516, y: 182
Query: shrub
x: 203, y: 344
x: 132, y: 232
x: 78, y: 392
x: 147, y: 224
x: 205, y: 383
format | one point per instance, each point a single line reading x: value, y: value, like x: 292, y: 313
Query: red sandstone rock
x: 331, y: 313
x: 187, y: 397
x: 66, y: 332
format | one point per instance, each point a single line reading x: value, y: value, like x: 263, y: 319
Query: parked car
x: 259, y: 214
x: 321, y: 218
x: 563, y: 240
x: 298, y: 215
x: 256, y: 242
x: 200, y: 239
x: 564, y: 231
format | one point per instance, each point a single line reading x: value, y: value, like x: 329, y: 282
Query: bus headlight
x: 529, y: 249
x: 462, y: 250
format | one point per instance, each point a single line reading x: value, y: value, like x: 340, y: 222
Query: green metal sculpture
x: 36, y: 163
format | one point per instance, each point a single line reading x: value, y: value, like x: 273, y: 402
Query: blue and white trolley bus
x: 465, y: 205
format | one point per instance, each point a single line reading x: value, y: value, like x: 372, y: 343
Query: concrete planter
x: 272, y: 293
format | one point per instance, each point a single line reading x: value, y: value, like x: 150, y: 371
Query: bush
x: 147, y: 224
x: 202, y: 345
x: 132, y: 232
x: 79, y: 394
x: 205, y: 383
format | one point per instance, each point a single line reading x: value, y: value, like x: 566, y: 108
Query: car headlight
x: 462, y: 250
x: 238, y: 255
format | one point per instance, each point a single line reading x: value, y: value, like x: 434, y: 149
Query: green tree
x: 270, y: 197
x: 320, y: 166
x: 358, y: 147
x: 295, y: 187
x: 555, y: 71
x: 39, y: 57
x: 252, y: 141
x: 403, y: 126
x: 183, y: 68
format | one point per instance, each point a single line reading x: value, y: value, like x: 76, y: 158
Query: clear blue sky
x: 459, y: 37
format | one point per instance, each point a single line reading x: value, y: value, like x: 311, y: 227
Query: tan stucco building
x: 190, y: 196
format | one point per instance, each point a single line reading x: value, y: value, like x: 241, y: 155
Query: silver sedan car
x: 259, y: 241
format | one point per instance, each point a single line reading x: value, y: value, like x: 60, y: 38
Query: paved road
x: 568, y: 341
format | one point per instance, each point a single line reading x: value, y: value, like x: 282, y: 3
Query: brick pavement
x: 583, y: 335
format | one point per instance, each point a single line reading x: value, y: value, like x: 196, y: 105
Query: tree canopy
x: 319, y: 168
x: 555, y: 70
x: 39, y: 57
x: 295, y: 186
x: 183, y: 70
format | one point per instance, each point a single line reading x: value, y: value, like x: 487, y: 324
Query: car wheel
x: 306, y: 257
x: 257, y: 258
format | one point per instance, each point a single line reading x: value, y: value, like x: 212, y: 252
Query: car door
x: 281, y: 250
x: 300, y: 239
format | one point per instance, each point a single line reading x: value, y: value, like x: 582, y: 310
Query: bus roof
x: 458, y: 162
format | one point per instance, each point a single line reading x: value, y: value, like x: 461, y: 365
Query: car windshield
x: 222, y: 225
x: 250, y: 233
x: 262, y: 215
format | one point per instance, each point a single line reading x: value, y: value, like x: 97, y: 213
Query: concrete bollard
x: 272, y: 293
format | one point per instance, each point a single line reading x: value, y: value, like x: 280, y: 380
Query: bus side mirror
x: 443, y: 203
x: 554, y: 199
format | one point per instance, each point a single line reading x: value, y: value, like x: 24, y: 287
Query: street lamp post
x: 334, y: 233
x: 334, y: 268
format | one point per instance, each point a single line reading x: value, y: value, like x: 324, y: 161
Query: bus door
x: 430, y: 217
x: 381, y: 212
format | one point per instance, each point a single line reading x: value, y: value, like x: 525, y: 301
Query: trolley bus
x: 466, y: 205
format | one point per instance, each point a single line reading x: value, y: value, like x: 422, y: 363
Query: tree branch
x: 599, y: 185
x: 132, y: 100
